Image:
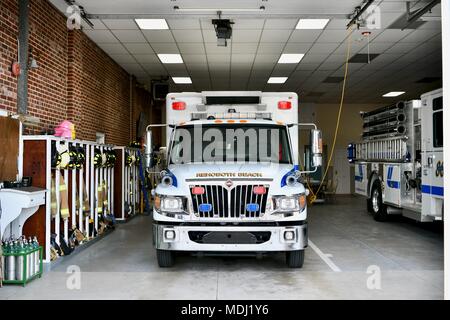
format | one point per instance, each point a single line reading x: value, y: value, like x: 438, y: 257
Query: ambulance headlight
x: 170, y: 204
x: 282, y: 204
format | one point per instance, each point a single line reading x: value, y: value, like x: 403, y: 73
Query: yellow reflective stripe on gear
x: 62, y: 187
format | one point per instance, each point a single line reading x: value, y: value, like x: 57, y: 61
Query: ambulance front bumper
x: 258, y: 238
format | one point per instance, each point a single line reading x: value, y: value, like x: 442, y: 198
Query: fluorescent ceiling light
x: 393, y: 94
x: 182, y: 80
x: 170, y: 58
x: 261, y: 8
x: 277, y: 80
x: 152, y: 24
x: 312, y: 23
x: 291, y: 57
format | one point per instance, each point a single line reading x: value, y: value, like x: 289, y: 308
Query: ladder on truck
x: 391, y: 149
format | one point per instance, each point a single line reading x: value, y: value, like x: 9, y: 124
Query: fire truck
x: 399, y: 163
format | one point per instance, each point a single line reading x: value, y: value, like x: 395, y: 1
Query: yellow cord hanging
x: 330, y: 158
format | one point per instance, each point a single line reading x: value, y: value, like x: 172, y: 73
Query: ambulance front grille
x: 229, y: 203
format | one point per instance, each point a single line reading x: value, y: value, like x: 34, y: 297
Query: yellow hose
x: 330, y: 158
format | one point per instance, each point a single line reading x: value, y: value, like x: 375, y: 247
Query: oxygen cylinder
x: 30, y: 258
x: 37, y: 264
x: 11, y: 263
x: 3, y: 276
x: 20, y: 260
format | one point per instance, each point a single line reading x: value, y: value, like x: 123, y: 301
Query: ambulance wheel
x: 165, y: 258
x: 295, y: 259
x: 376, y: 198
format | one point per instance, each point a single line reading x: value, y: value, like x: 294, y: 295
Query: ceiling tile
x: 154, y: 69
x: 206, y: 24
x: 191, y: 48
x: 242, y: 23
x: 307, y: 66
x: 183, y: 24
x: 194, y: 58
x: 280, y: 24
x: 314, y: 58
x: 218, y: 58
x: 146, y: 58
x: 285, y: 68
x: 337, y: 24
x: 267, y: 48
x: 138, y: 48
x: 129, y: 35
x: 392, y: 35
x: 165, y: 47
x: 123, y: 58
x: 297, y: 47
x: 158, y: 36
x: 212, y: 48
x: 244, y: 47
x: 419, y: 36
x: 304, y: 35
x: 209, y: 36
x: 269, y: 58
x: 333, y: 36
x: 101, y: 36
x: 242, y: 58
x: 203, y: 67
x: 323, y: 48
x: 245, y: 35
x: 121, y: 24
x: 269, y: 35
x: 98, y: 25
x: 113, y: 48
x: 188, y: 35
x: 178, y: 69
x: 378, y: 47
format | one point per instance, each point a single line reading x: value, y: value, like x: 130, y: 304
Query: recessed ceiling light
x: 312, y: 23
x: 393, y: 94
x: 277, y: 80
x: 170, y: 58
x: 182, y: 80
x: 152, y: 24
x: 291, y: 57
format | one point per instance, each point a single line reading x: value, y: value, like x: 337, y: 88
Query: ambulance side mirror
x: 316, y: 148
x: 149, y: 163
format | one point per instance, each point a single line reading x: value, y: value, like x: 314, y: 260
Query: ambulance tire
x: 376, y: 197
x: 295, y: 259
x: 166, y: 258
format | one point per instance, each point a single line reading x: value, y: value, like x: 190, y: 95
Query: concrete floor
x: 346, y: 244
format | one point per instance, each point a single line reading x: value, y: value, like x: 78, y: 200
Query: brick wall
x: 75, y: 80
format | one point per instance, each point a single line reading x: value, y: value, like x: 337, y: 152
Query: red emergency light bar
x: 179, y: 105
x: 284, y: 105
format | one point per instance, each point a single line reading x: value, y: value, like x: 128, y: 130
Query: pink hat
x: 65, y: 129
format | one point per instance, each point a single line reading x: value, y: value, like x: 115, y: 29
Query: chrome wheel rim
x: 375, y: 205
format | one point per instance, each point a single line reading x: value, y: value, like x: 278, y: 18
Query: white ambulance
x: 231, y: 182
